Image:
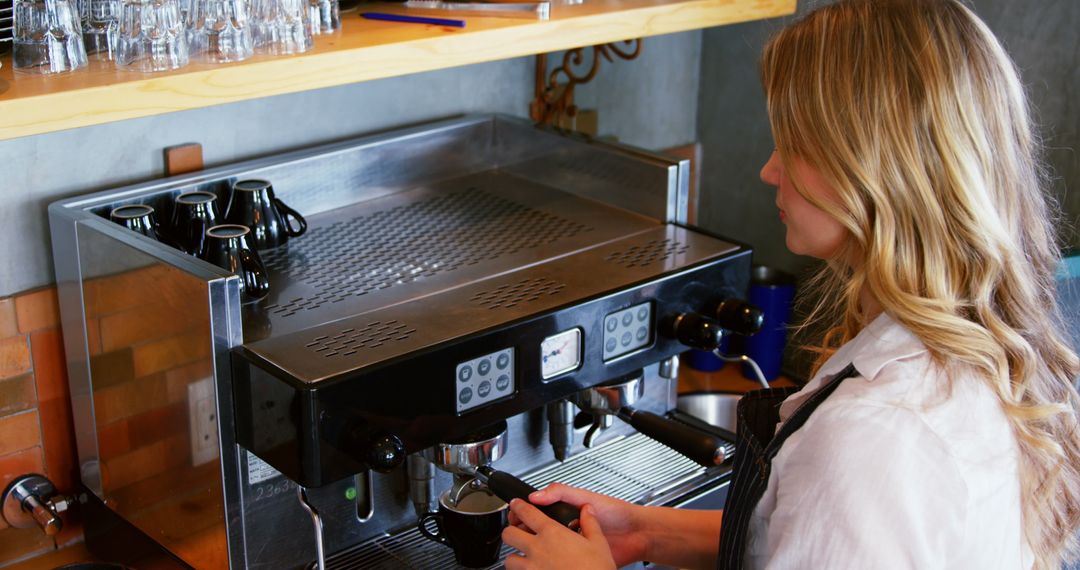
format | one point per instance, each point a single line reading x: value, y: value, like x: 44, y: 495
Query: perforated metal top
x: 434, y: 234
x: 413, y: 244
x: 325, y: 351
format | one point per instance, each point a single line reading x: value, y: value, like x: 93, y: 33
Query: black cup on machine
x: 193, y: 214
x: 473, y: 527
x: 228, y: 247
x: 138, y: 218
x: 252, y: 203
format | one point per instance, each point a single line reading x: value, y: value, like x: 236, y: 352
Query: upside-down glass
x: 100, y: 26
x: 47, y: 37
x: 324, y: 16
x: 220, y: 30
x: 152, y: 36
x: 282, y: 26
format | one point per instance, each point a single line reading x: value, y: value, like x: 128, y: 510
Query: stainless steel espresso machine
x: 473, y: 298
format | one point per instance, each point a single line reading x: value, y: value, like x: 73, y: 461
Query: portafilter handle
x: 703, y: 448
x: 507, y: 487
x: 617, y: 398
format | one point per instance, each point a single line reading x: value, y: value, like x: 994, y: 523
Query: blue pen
x: 412, y: 19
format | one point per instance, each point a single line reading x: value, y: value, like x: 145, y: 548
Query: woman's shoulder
x: 915, y: 401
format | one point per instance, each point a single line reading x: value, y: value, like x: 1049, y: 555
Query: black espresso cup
x: 227, y: 247
x: 193, y: 214
x: 252, y: 203
x: 138, y: 218
x: 473, y: 528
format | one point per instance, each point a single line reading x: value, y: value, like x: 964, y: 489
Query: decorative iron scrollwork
x: 554, y: 101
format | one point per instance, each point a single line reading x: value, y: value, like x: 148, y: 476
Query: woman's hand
x: 619, y: 521
x: 552, y: 546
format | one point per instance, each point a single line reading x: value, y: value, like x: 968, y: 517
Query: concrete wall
x: 1043, y: 37
x: 650, y: 102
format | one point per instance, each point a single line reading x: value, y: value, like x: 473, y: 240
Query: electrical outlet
x: 202, y: 421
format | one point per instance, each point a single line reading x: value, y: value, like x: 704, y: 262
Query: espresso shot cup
x: 473, y: 528
x: 252, y: 203
x: 227, y: 246
x: 138, y: 218
x: 193, y: 214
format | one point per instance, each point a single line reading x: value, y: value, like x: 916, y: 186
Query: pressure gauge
x: 560, y: 353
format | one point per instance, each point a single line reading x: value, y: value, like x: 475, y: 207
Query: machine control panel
x: 484, y: 379
x: 627, y: 330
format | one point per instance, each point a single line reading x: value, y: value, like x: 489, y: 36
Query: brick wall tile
x: 129, y: 399
x: 114, y: 439
x: 20, y: 431
x: 22, y: 543
x: 158, y: 424
x: 37, y: 310
x: 93, y: 336
x: 14, y: 356
x: 108, y: 295
x: 179, y: 378
x: 170, y: 353
x: 9, y: 325
x: 58, y: 435
x: 143, y: 324
x: 19, y: 463
x: 17, y: 394
x: 146, y: 462
x: 112, y: 368
x: 151, y: 492
x: 50, y: 367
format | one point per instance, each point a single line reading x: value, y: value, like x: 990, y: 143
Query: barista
x: 940, y: 428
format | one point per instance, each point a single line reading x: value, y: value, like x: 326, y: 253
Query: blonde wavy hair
x: 914, y: 114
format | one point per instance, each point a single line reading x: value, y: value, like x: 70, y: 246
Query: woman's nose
x: 770, y: 173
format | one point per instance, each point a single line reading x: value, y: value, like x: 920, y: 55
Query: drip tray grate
x: 634, y: 468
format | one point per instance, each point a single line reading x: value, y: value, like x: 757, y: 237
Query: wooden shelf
x: 362, y: 50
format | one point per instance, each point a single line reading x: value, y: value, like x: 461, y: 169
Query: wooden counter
x: 361, y: 51
x: 728, y: 379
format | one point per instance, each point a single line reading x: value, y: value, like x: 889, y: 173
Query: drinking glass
x: 100, y: 26
x: 324, y: 16
x: 152, y: 36
x: 48, y: 37
x: 282, y: 26
x: 220, y: 30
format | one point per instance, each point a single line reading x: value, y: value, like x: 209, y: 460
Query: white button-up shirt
x: 900, y: 467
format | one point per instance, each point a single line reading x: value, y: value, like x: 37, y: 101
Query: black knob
x: 386, y: 452
x: 739, y: 317
x: 697, y: 331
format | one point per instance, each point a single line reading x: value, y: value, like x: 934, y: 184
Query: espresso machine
x: 474, y: 304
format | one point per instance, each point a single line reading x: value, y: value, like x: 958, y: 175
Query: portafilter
x: 469, y: 461
x: 617, y: 399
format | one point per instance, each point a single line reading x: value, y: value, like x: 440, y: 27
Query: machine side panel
x: 154, y: 392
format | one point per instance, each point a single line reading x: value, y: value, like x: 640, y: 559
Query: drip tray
x: 634, y: 468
